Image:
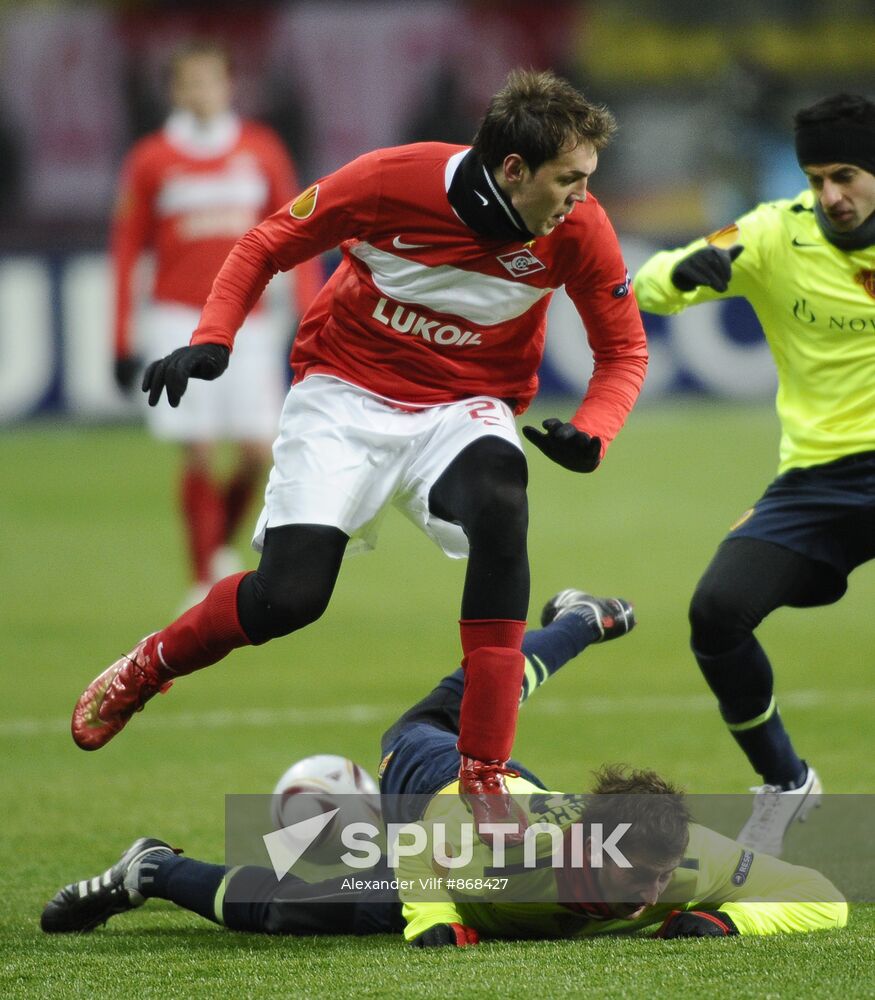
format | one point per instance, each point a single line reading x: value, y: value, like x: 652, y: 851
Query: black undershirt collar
x: 480, y: 203
x: 857, y: 239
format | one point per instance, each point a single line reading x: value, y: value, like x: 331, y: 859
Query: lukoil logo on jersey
x: 405, y: 320
x: 521, y: 262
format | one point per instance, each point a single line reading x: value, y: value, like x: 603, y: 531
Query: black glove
x: 126, y: 371
x: 443, y: 935
x: 566, y: 445
x: 206, y: 361
x: 696, y: 923
x: 709, y: 266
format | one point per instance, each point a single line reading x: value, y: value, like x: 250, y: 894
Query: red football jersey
x: 189, y: 199
x: 423, y: 309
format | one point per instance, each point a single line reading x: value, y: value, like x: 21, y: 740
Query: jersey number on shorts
x: 487, y: 411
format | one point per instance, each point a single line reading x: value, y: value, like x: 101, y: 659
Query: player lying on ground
x: 408, y: 369
x: 689, y: 881
x: 807, y: 266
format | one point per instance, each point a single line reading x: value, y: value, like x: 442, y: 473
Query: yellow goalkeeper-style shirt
x: 816, y: 305
x: 761, y: 894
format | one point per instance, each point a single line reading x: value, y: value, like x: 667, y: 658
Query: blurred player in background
x: 807, y: 266
x: 682, y: 878
x: 409, y: 368
x: 187, y: 193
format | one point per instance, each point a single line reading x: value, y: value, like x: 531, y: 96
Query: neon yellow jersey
x: 761, y: 894
x: 816, y: 305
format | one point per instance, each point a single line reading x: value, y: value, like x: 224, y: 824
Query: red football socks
x: 203, y: 635
x: 237, y: 496
x: 203, y: 511
x: 494, y: 667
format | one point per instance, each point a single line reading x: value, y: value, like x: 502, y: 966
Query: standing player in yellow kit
x: 807, y: 266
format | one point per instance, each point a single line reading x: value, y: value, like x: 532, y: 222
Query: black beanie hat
x: 839, y: 129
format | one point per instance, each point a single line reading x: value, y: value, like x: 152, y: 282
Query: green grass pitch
x: 90, y: 560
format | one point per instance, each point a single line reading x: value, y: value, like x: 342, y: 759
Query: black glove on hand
x: 709, y: 266
x: 443, y: 935
x: 126, y: 371
x: 566, y: 445
x: 696, y: 923
x: 206, y: 361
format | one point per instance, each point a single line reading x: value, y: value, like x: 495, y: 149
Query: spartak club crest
x: 866, y: 278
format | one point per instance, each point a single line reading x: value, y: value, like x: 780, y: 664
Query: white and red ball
x: 318, y: 784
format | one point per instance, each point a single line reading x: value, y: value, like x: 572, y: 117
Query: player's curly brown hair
x: 538, y: 115
x: 656, y: 809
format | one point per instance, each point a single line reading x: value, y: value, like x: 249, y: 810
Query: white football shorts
x: 243, y: 403
x: 343, y: 456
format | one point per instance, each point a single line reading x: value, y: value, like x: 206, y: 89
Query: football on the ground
x: 316, y: 785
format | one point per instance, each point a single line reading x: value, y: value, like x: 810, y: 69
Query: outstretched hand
x: 566, y: 445
x: 206, y: 361
x: 710, y: 266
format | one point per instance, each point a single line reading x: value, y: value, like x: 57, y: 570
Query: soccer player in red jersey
x: 408, y: 369
x: 187, y: 193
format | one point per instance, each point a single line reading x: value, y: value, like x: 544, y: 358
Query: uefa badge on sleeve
x: 305, y: 204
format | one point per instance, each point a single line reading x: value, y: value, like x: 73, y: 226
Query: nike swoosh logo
x: 399, y: 244
x: 796, y: 243
x: 480, y: 196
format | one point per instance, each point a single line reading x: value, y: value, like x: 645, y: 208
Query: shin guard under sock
x: 548, y: 649
x: 493, y: 679
x: 204, y: 634
x: 203, y: 511
x: 741, y: 678
x: 237, y: 496
x: 184, y: 881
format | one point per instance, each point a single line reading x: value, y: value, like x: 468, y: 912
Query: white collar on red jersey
x: 202, y: 140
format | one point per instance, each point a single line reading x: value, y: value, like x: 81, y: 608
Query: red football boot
x: 482, y: 786
x: 109, y: 701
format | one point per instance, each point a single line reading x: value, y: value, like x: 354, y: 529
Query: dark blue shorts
x: 826, y: 512
x: 420, y: 761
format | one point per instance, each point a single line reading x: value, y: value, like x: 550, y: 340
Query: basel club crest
x: 866, y: 278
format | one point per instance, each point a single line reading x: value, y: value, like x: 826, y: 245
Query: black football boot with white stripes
x: 611, y: 617
x: 84, y: 905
